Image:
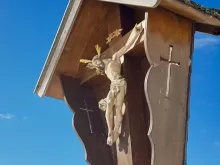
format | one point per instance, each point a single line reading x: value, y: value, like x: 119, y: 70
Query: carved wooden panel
x: 87, y: 121
x: 168, y: 41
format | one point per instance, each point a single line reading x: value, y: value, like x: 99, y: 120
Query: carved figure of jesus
x: 115, y: 98
x: 114, y: 102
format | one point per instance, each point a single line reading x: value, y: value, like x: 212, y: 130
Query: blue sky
x: 37, y: 131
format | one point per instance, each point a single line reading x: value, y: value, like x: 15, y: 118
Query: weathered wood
x: 137, y: 113
x: 168, y: 42
x: 191, y: 13
x: 188, y: 99
x: 208, y: 29
x: 81, y: 41
x: 87, y: 121
x: 133, y: 146
x: 114, y: 20
x: 84, y: 36
x: 130, y: 138
x: 142, y: 3
x: 78, y: 33
x: 58, y: 92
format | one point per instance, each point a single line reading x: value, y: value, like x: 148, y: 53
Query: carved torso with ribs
x: 113, y: 69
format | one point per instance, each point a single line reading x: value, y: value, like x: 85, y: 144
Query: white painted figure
x: 114, y: 102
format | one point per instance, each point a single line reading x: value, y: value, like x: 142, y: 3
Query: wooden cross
x: 170, y: 62
x: 88, y: 116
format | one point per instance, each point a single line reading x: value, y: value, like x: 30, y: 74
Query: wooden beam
x: 191, y: 13
x: 88, y: 74
x: 207, y: 29
x: 82, y: 40
x: 136, y: 119
x: 142, y: 3
x: 166, y: 84
x: 114, y: 20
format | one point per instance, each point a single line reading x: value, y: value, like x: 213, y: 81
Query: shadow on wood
x: 87, y: 121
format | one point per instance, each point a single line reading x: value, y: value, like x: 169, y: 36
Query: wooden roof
x: 73, y: 38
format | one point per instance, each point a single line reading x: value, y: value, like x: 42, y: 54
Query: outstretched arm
x: 134, y: 36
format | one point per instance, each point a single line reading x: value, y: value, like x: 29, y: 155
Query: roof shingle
x: 211, y: 11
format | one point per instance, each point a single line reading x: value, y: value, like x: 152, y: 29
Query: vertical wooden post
x: 168, y: 43
x: 137, y: 111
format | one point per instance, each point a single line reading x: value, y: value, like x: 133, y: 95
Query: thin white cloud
x: 217, y: 143
x: 6, y: 116
x: 206, y: 40
x: 25, y: 118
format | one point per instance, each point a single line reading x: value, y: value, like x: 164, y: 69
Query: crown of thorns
x: 111, y: 36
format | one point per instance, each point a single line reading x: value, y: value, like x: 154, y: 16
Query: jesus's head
x: 97, y: 62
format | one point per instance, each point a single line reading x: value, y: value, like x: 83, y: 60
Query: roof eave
x: 190, y: 13
x: 68, y: 21
x: 63, y: 32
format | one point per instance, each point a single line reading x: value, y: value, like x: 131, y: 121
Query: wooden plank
x: 205, y: 23
x: 188, y: 99
x: 88, y: 74
x: 114, y: 20
x: 166, y: 84
x: 191, y: 13
x: 135, y: 125
x: 91, y: 29
x: 55, y: 88
x: 81, y: 42
x: 207, y: 29
x: 87, y: 121
x: 69, y: 61
x: 133, y: 147
x: 126, y: 155
x: 141, y: 3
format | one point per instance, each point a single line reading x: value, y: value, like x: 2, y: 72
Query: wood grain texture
x: 80, y: 29
x: 87, y: 74
x: 189, y: 94
x: 91, y: 29
x: 87, y: 121
x: 208, y: 28
x: 168, y: 110
x: 114, y: 20
x: 187, y: 11
x: 83, y: 40
x: 137, y: 111
x: 55, y: 88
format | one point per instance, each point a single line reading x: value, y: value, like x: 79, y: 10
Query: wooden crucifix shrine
x: 123, y: 68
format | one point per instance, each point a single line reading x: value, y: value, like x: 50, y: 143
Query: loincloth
x: 115, y: 88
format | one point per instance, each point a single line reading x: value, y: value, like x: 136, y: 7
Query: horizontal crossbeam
x: 88, y: 74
